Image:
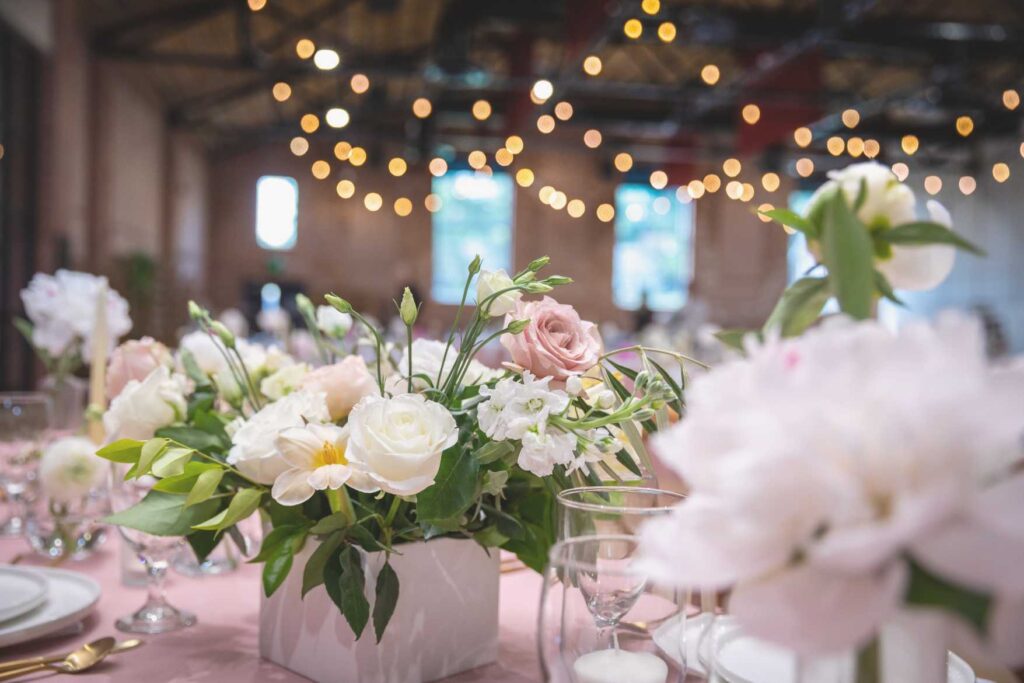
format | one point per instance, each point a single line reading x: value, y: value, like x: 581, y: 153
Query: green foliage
x: 124, y: 451
x: 926, y: 232
x: 277, y: 554
x: 799, y: 306
x: 385, y: 600
x: 314, y: 573
x: 243, y: 504
x: 163, y: 514
x: 351, y: 585
x: 196, y: 438
x: 925, y: 589
x: 848, y: 254
x: 454, y: 489
x: 793, y: 220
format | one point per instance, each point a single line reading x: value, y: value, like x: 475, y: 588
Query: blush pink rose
x: 344, y: 383
x: 556, y: 343
x: 134, y: 360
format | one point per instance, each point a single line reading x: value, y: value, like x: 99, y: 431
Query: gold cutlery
x: 76, y: 661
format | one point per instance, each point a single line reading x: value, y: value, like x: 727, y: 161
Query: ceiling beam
x: 150, y: 26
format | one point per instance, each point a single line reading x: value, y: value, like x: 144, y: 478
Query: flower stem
x: 868, y: 669
x: 340, y: 502
x: 455, y: 326
x: 638, y: 347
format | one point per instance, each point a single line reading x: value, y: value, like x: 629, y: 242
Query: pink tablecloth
x: 222, y: 647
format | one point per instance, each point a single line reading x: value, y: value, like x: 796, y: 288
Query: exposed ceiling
x: 906, y: 65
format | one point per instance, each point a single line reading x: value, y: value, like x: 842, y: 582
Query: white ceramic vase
x: 445, y: 622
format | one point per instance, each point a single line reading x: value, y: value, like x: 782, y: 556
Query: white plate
x: 744, y: 659
x: 21, y: 590
x: 69, y: 599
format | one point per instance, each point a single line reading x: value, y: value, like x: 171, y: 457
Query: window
x: 798, y: 258
x: 475, y: 217
x: 277, y: 212
x: 652, y: 261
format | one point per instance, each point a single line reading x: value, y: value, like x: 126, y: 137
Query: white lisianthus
x: 69, y: 469
x: 542, y: 449
x: 491, y: 282
x: 284, y: 381
x: 253, y: 448
x: 828, y: 460
x: 333, y: 322
x: 513, y: 407
x: 398, y: 441
x: 144, y: 407
x: 318, y: 461
x: 426, y: 360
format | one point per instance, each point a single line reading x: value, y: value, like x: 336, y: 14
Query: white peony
x: 542, y: 449
x: 144, y: 407
x: 69, y: 469
x: 426, y: 360
x: 398, y: 441
x: 333, y: 322
x: 516, y: 405
x: 851, y: 448
x: 919, y: 268
x: 318, y: 461
x: 284, y: 381
x: 491, y: 282
x: 62, y: 309
x: 253, y: 449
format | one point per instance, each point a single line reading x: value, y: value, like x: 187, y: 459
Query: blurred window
x: 277, y: 212
x: 475, y: 217
x: 798, y: 258
x: 653, y: 257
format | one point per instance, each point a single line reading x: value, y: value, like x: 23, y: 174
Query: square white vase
x: 445, y: 622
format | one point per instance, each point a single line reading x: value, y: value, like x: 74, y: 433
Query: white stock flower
x: 398, y: 441
x: 426, y: 360
x: 254, y: 451
x: 515, y: 406
x: 333, y: 322
x: 543, y: 449
x: 851, y: 448
x: 144, y: 407
x: 317, y: 459
x: 491, y: 282
x: 69, y: 469
x: 284, y: 381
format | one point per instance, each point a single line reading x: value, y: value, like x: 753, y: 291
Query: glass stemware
x: 615, y: 510
x: 156, y: 554
x: 25, y: 422
x: 603, y: 620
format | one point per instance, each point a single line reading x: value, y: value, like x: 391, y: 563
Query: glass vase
x: 67, y: 529
x: 68, y: 396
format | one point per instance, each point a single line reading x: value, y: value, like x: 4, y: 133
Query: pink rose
x: 344, y: 384
x: 134, y: 359
x: 556, y: 343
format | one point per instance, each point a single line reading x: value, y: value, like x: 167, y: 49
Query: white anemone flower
x: 318, y: 460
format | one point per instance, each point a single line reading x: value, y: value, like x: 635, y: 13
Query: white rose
x: 253, y: 451
x: 333, y: 322
x: 144, y: 407
x: 284, y: 381
x: 491, y: 282
x: 398, y: 441
x: 69, y: 469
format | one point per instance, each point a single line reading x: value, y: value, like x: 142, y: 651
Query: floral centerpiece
x: 350, y: 459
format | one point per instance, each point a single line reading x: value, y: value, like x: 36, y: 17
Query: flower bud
x: 517, y: 326
x: 642, y: 378
x: 538, y: 263
x: 557, y: 280
x: 538, y: 288
x: 642, y: 415
x: 338, y: 303
x: 574, y: 385
x: 407, y: 309
x: 305, y: 306
x: 223, y: 333
x: 525, y: 276
x: 606, y: 399
x: 195, y: 311
x: 474, y: 265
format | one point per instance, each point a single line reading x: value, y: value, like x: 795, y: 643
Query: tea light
x: 620, y: 666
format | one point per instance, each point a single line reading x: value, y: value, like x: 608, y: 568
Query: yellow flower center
x: 330, y: 454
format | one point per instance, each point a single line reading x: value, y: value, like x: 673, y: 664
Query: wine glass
x: 25, y: 422
x: 591, y: 586
x: 616, y: 510
x: 156, y: 553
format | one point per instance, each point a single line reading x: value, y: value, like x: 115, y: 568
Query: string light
x: 342, y: 150
x: 326, y: 59
x: 623, y: 162
x: 336, y: 117
x: 910, y: 144
x: 592, y: 138
x: 760, y: 212
x: 320, y: 169
x: 658, y: 180
x: 770, y: 181
x: 563, y: 110
x: 662, y: 206
x: 855, y: 147
x: 359, y: 83
x: 633, y: 28
x: 751, y: 113
x: 545, y: 123
x: 901, y: 171
x: 835, y: 145
x: 477, y: 159
x: 683, y: 194
x: 732, y: 167
x: 1001, y: 172
x: 437, y: 167
x: 748, y: 192
x: 964, y: 125
x: 712, y: 183
x: 305, y: 48
x: 357, y: 157
x: 710, y: 74
x: 558, y: 200
x: 734, y: 189
x: 345, y: 189
x: 432, y: 203
x: 1022, y: 149
x: 281, y: 91
x: 576, y: 208
x: 542, y: 91
x: 695, y: 188
x: 967, y: 184
x: 421, y: 107
x: 1011, y: 99
x: 667, y: 31
x: 373, y: 201
x: 802, y: 136
x: 605, y: 213
x: 545, y: 193
x: 514, y: 144
x: 299, y: 146
x: 872, y: 148
x: 309, y: 123
x: 397, y: 167
x: 503, y: 157
x: 403, y: 206
x: 524, y: 177
x: 804, y: 167
x: 257, y: 5
x: 481, y: 110
x: 933, y: 184
x: 850, y: 118
x: 651, y: 6
x: 592, y: 65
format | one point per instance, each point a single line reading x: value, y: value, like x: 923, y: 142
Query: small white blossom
x: 515, y: 407
x: 491, y: 282
x: 543, y: 449
x: 333, y: 322
x: 574, y: 385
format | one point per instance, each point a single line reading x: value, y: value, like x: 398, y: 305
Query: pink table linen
x: 223, y: 646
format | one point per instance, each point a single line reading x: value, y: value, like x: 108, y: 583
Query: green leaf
x: 925, y: 589
x: 883, y: 286
x: 626, y: 460
x: 848, y: 254
x: 331, y: 523
x: 163, y: 514
x: 281, y: 556
x: 618, y: 387
x: 192, y: 368
x: 172, y: 462
x: 362, y: 537
x: 926, y: 232
x: 313, y: 574
x: 791, y: 219
x: 354, y: 605
x: 243, y: 504
x: 628, y: 372
x: 193, y: 438
x: 493, y: 451
x: 150, y: 451
x: 454, y: 487
x: 122, y: 450
x: 203, y: 543
x: 205, y: 486
x: 490, y: 537
x: 799, y: 306
x: 732, y: 338
x: 332, y: 578
x: 676, y: 387
x: 25, y: 328
x: 386, y: 599
x: 183, y: 483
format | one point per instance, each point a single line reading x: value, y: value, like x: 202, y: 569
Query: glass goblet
x: 25, y: 422
x: 602, y: 620
x: 156, y: 553
x: 615, y: 510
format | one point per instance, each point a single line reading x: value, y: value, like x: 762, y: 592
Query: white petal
x: 814, y: 611
x: 291, y: 488
x: 329, y: 477
x: 1001, y: 507
x: 975, y: 555
x: 297, y: 446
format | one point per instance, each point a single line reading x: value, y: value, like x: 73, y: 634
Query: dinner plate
x: 745, y: 659
x: 70, y: 597
x: 21, y: 590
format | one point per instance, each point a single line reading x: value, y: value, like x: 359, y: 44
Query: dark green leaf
x: 928, y: 590
x: 362, y: 537
x: 454, y: 489
x: 848, y: 254
x: 628, y: 372
x: 792, y: 219
x: 203, y: 543
x: 620, y: 390
x: 332, y: 579
x: 278, y: 553
x: 799, y: 306
x: 283, y: 515
x: 882, y: 283
x: 313, y: 574
x: 193, y: 438
x: 925, y: 232
x: 277, y: 537
x: 492, y: 451
x: 334, y: 522
x: 490, y: 537
x: 354, y: 605
x: 626, y: 460
x: 243, y: 504
x: 386, y: 599
x: 676, y: 387
x: 122, y: 450
x: 163, y: 514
